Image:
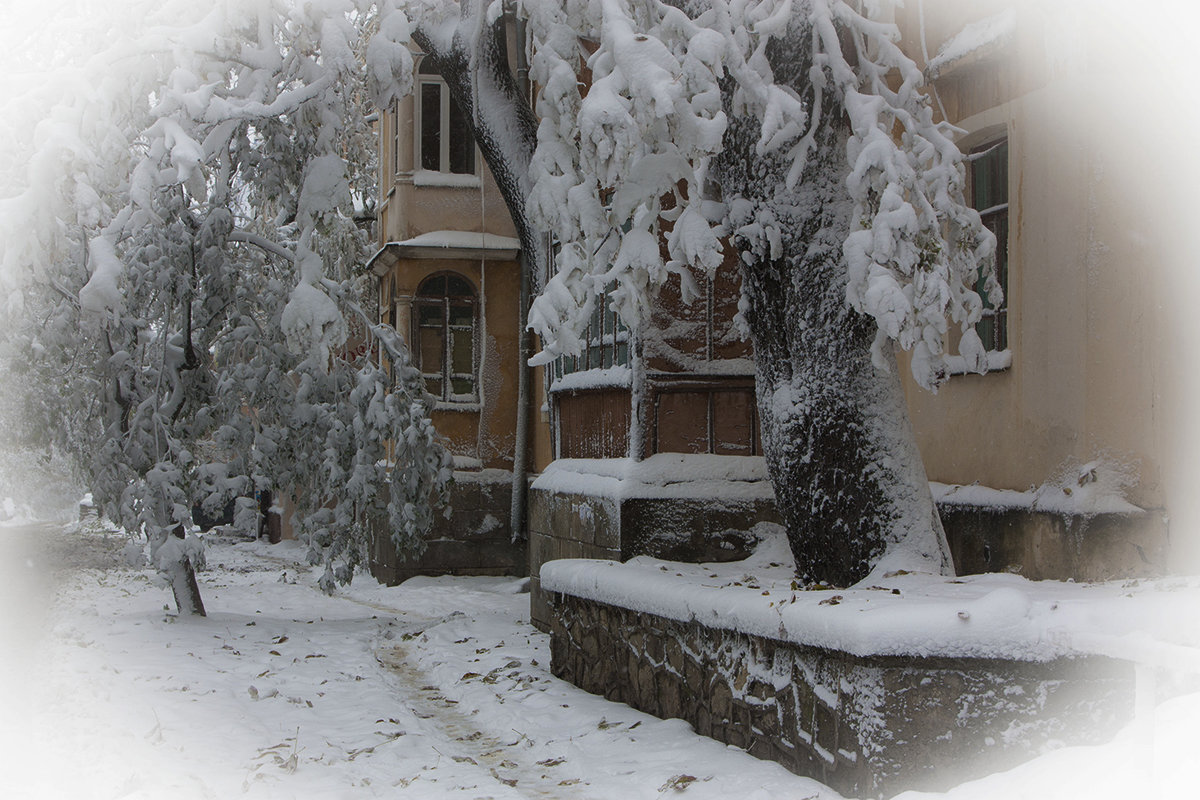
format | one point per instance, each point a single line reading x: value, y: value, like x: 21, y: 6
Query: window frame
x: 998, y: 344
x: 445, y: 375
x: 445, y: 129
x: 606, y: 339
x: 395, y: 150
x: 995, y: 217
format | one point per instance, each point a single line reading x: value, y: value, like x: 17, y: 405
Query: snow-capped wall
x: 868, y: 727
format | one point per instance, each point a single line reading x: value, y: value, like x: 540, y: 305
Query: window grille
x: 445, y: 321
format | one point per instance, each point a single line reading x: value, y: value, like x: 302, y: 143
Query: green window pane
x: 456, y: 286
x: 989, y: 195
x: 462, y: 351
x: 461, y: 315
x: 431, y: 126
x: 462, y: 142
x: 432, y: 349
x: 429, y: 314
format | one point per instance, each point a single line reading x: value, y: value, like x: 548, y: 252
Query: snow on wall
x: 980, y: 616
x: 663, y: 475
x: 482, y: 476
x: 1081, y: 501
x: 686, y: 475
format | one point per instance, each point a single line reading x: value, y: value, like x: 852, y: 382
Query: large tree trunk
x: 848, y: 478
x: 477, y: 72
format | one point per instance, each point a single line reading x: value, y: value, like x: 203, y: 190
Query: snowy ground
x: 437, y: 688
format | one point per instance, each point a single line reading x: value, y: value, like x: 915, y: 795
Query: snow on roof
x: 974, y: 39
x: 461, y: 239
x: 675, y: 475
x: 976, y: 616
x: 445, y: 244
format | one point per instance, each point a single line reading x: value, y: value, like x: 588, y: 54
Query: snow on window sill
x: 427, y: 177
x: 997, y: 361
x: 610, y: 378
x: 449, y: 405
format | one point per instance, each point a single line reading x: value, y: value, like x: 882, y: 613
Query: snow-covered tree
x: 176, y: 247
x: 179, y: 231
x: 797, y: 129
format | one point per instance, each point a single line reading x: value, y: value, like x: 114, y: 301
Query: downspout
x: 521, y: 446
x: 520, y: 488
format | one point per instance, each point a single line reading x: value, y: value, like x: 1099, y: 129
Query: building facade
x: 1054, y: 464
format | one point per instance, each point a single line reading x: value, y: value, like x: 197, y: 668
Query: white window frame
x: 395, y: 150
x: 990, y: 127
x: 425, y: 79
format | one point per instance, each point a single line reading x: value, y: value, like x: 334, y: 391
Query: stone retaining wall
x: 867, y: 726
x: 476, y: 539
x: 573, y: 525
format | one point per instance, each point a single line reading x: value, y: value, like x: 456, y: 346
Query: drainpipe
x: 517, y: 517
x: 521, y: 447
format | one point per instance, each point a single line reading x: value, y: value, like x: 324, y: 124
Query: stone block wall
x: 476, y: 539
x: 1044, y: 545
x: 867, y: 726
x: 575, y: 525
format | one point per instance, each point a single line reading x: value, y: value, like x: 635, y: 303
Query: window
x: 988, y: 168
x: 444, y: 139
x: 395, y: 137
x: 607, y: 341
x: 444, y: 318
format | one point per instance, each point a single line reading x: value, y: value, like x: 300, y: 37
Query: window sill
x: 619, y: 377
x: 447, y: 405
x: 997, y: 361
x: 425, y: 177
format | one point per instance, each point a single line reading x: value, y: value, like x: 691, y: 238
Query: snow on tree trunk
x: 848, y: 478
x: 472, y: 57
x: 843, y: 197
x: 176, y: 557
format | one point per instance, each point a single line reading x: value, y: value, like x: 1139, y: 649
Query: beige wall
x: 408, y: 210
x: 485, y: 430
x: 1089, y: 326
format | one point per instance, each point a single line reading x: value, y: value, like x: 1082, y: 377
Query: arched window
x: 444, y: 318
x: 444, y: 139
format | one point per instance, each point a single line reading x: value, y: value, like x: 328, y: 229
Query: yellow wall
x: 408, y: 210
x: 486, y: 430
x: 1090, y: 247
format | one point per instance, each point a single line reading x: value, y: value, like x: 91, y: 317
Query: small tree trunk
x: 182, y: 575
x: 848, y: 478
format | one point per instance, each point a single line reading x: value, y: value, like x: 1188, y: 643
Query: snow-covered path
x: 438, y: 688
x: 433, y: 689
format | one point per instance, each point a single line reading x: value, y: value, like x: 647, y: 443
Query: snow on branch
x: 634, y: 104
